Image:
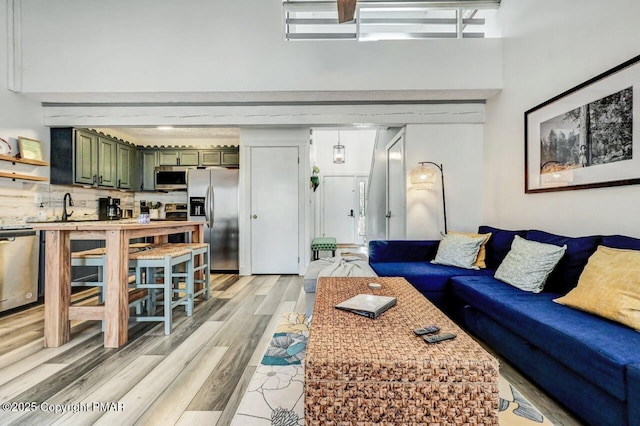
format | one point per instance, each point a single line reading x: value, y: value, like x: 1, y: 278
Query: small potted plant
x: 315, y: 179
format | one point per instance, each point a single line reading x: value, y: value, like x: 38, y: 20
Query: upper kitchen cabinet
x: 152, y: 157
x: 149, y: 163
x: 178, y: 158
x: 107, y: 162
x: 220, y: 157
x: 125, y: 162
x: 210, y: 158
x: 84, y: 157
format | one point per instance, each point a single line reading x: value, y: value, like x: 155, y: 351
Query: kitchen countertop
x: 16, y: 226
x: 109, y: 224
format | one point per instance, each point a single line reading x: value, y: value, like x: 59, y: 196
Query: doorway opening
x: 341, y: 199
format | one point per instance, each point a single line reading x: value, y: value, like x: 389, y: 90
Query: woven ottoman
x: 360, y: 371
x: 323, y: 244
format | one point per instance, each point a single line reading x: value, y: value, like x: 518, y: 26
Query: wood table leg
x: 57, y: 290
x: 116, y: 289
x: 161, y: 239
x: 197, y: 236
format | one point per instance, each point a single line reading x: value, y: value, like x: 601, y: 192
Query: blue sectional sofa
x: 589, y: 364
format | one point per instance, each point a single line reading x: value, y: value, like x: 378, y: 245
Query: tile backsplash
x: 20, y: 201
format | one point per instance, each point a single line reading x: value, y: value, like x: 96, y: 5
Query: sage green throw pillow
x: 529, y: 263
x: 458, y: 250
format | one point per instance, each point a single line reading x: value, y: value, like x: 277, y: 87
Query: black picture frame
x: 588, y: 136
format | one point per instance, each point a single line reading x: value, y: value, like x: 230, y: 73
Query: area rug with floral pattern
x: 275, y: 395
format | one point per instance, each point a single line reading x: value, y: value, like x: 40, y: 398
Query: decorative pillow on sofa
x: 528, y: 264
x: 499, y: 244
x: 482, y: 253
x: 566, y: 274
x: 458, y: 250
x: 609, y: 286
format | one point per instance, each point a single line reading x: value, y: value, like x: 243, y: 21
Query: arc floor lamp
x: 423, y: 177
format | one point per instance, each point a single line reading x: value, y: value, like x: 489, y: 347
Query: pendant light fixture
x: 338, y: 152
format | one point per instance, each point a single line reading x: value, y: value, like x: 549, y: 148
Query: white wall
x: 226, y: 46
x: 358, y: 151
x: 550, y: 47
x: 458, y: 147
x: 19, y: 116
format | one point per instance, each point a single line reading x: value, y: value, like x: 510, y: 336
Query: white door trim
x: 399, y: 138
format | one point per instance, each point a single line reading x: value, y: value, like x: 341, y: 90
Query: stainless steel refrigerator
x: 213, y: 199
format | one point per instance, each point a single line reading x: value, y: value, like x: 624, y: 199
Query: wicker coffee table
x: 363, y: 371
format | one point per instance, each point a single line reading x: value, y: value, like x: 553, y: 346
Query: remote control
x: 438, y: 337
x: 426, y: 330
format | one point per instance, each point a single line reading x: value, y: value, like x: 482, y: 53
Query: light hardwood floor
x: 195, y: 376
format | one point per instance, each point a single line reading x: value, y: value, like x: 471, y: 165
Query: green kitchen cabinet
x: 125, y: 157
x: 178, y: 157
x: 107, y: 162
x: 152, y: 157
x: 189, y: 158
x: 230, y: 157
x: 149, y: 163
x: 95, y: 159
x: 85, y: 158
x: 210, y: 158
x: 135, y: 176
x: 220, y: 157
x: 88, y: 158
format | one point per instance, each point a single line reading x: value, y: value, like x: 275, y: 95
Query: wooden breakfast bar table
x: 115, y: 311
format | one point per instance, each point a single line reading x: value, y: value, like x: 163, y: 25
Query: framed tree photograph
x: 588, y: 136
x: 30, y: 149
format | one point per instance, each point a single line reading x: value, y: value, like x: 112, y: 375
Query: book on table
x: 367, y: 305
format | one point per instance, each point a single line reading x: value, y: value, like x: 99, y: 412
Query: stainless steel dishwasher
x: 19, y: 247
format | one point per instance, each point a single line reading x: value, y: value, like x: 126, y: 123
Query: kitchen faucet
x: 66, y: 215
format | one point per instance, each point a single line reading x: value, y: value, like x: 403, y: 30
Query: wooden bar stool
x: 197, y: 249
x: 93, y: 257
x: 167, y: 258
x: 96, y: 257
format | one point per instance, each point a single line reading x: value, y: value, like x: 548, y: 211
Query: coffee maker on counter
x: 109, y: 208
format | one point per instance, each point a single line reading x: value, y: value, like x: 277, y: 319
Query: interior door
x: 361, y: 202
x: 339, y: 208
x: 274, y: 210
x: 396, y: 190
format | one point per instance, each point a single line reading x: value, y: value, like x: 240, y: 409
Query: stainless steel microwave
x: 171, y: 178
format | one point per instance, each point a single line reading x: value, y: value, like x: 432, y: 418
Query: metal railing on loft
x: 388, y: 19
